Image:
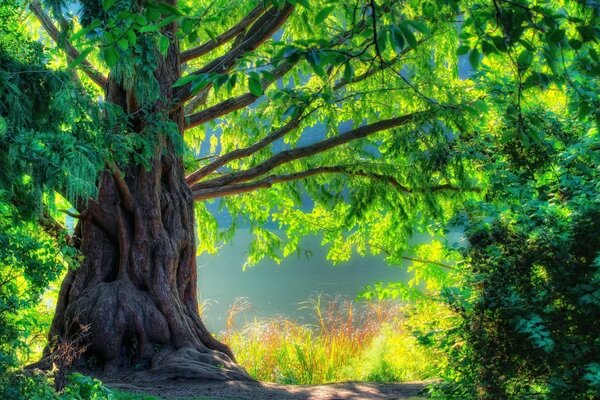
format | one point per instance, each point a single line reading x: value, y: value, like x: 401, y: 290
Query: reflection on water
x: 274, y: 290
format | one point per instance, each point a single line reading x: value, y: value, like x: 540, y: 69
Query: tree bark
x: 132, y: 304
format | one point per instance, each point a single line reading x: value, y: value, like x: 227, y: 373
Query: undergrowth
x: 348, y: 341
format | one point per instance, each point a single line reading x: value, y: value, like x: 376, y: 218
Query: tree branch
x: 126, y: 196
x: 240, y: 153
x: 307, y: 151
x: 228, y: 190
x: 225, y: 37
x: 235, y: 103
x: 70, y: 50
x: 260, y: 31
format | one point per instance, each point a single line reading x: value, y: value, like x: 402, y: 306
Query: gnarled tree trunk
x: 136, y: 288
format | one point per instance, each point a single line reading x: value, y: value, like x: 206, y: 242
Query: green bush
x: 528, y: 305
x: 39, y: 386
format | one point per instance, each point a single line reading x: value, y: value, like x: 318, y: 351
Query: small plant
x: 66, y: 352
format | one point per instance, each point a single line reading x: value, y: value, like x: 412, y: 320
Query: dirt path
x: 271, y: 391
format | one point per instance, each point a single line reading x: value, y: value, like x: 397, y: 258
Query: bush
x: 528, y: 305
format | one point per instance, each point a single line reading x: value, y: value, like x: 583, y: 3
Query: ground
x: 232, y: 390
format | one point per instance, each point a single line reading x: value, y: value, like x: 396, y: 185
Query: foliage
x: 37, y: 155
x: 528, y: 302
x: 79, y: 387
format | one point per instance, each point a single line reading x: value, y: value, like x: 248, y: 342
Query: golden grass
x: 349, y: 341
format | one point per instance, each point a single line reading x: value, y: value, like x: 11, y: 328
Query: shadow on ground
x: 232, y: 390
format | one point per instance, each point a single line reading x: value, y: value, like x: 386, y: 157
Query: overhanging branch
x: 235, y: 103
x: 228, y: 190
x: 307, y: 151
x: 225, y: 37
x: 260, y: 31
x: 69, y: 49
x: 240, y: 153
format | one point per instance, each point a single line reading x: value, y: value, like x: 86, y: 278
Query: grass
x: 349, y: 341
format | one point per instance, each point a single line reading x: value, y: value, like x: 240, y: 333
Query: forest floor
x: 233, y: 390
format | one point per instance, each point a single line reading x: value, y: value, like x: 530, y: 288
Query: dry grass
x: 364, y: 341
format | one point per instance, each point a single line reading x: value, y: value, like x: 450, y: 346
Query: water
x: 278, y: 290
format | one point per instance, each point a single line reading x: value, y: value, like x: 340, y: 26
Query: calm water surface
x: 278, y: 290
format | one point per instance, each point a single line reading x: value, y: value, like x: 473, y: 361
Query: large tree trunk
x: 136, y: 288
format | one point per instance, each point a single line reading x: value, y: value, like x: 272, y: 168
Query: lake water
x: 278, y: 290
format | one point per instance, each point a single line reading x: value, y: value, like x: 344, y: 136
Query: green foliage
x: 43, y: 136
x: 529, y: 299
x: 37, y: 149
x: 79, y: 387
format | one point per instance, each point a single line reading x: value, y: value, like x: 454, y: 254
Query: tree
x: 379, y: 78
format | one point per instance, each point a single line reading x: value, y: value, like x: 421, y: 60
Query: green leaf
x: 525, y: 59
x: 188, y: 25
x: 106, y: 4
x: 210, y: 34
x: 474, y: 58
x: 166, y: 21
x: 348, y: 72
x: 201, y: 81
x: 556, y: 36
x: 487, y: 47
x: 305, y: 4
x: 255, y: 86
x: 575, y: 44
x: 397, y: 39
x: 314, y: 60
x: 140, y: 19
x: 184, y: 81
x: 419, y: 26
x: 323, y: 14
x: 163, y: 44
x: 428, y: 10
x: 131, y: 36
x: 123, y: 43
x: 462, y: 50
x: 220, y: 81
x: 149, y: 28
x: 382, y: 39
x: 152, y: 13
x: 500, y: 43
x: 111, y: 57
x: 232, y: 81
x: 408, y: 35
x: 167, y: 9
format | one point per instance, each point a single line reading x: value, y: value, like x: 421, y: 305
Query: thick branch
x: 240, y: 153
x: 307, y: 151
x: 225, y: 37
x: 235, y: 103
x: 70, y: 50
x: 260, y: 31
x: 228, y: 190
x: 269, y: 181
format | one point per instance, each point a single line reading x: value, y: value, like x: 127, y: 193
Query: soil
x: 235, y: 390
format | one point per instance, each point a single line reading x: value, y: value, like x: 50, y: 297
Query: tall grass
x: 348, y: 341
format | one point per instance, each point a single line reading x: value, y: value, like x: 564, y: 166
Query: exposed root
x: 189, y: 363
